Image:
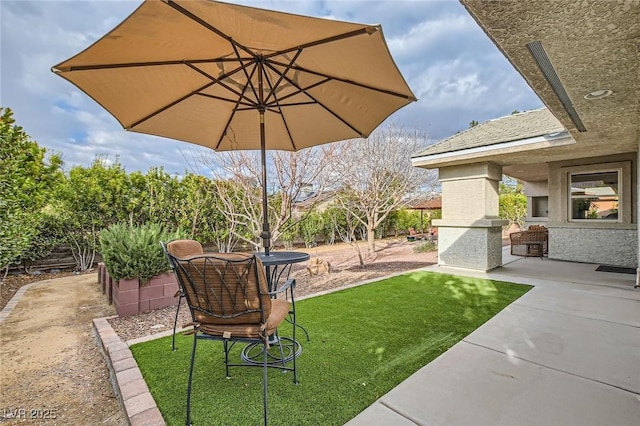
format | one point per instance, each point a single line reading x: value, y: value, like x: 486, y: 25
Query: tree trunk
x: 371, y: 240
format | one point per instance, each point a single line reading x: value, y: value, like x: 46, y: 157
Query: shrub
x: 310, y: 228
x: 134, y: 251
x: 425, y: 246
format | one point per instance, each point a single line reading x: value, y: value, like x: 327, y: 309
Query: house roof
x: 314, y: 199
x: 524, y: 125
x: 582, y: 46
x: 431, y: 204
x: 521, y: 143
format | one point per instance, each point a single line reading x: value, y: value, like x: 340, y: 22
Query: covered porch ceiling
x: 565, y: 51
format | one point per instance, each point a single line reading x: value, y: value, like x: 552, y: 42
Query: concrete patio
x: 566, y: 353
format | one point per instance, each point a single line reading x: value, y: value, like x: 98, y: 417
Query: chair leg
x: 279, y: 344
x: 295, y: 342
x: 264, y: 384
x: 175, y: 323
x: 193, y: 358
x: 305, y: 332
x: 225, y: 344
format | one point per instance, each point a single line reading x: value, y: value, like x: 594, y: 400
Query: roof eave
x: 493, y: 152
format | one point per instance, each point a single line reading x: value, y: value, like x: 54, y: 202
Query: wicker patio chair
x: 229, y: 300
x: 532, y: 242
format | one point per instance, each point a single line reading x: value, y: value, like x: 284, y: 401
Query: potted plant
x: 138, y: 268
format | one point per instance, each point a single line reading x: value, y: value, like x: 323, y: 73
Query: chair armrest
x: 289, y: 284
x: 517, y: 237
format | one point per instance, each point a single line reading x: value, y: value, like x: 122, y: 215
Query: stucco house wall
x: 537, y: 203
x: 604, y: 242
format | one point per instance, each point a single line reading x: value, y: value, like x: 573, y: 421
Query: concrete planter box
x: 131, y: 298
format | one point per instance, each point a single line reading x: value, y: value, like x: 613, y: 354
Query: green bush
x: 311, y: 228
x: 134, y: 251
x: 425, y: 246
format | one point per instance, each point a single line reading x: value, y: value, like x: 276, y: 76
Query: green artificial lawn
x: 364, y: 341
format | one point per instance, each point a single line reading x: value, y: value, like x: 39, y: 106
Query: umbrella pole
x: 266, y: 233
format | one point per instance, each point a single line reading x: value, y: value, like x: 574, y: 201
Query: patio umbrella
x: 232, y: 77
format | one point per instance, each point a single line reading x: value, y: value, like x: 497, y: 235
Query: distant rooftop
x: 524, y: 125
x: 426, y: 204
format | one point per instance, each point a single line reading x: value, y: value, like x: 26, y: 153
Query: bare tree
x: 375, y: 175
x: 239, y: 175
x: 348, y: 233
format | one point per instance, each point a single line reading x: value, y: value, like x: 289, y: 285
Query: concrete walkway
x: 566, y: 353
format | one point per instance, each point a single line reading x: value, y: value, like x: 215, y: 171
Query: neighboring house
x: 578, y: 158
x: 427, y: 207
x: 320, y: 201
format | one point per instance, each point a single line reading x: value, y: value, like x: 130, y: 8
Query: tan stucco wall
x: 472, y: 191
x: 558, y: 187
x: 537, y: 200
x: 614, y: 243
x: 469, y: 233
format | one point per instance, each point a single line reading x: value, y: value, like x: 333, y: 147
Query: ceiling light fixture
x: 598, y: 94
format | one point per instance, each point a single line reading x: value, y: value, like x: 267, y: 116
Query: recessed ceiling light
x: 598, y: 94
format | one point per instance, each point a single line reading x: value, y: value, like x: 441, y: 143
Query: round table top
x: 283, y: 257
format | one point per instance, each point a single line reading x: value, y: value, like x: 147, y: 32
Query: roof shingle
x: 514, y: 127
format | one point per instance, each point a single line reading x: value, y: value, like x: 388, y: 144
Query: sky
x: 456, y: 72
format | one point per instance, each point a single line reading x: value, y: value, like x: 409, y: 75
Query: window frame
x: 570, y: 197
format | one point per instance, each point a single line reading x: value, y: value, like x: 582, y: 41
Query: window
x: 595, y: 195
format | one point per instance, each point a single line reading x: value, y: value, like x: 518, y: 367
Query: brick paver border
x: 126, y: 378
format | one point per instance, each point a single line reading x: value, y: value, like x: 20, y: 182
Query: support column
x: 637, y: 218
x: 470, y: 231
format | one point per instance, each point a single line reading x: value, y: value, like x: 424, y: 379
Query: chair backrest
x: 223, y: 288
x: 184, y: 248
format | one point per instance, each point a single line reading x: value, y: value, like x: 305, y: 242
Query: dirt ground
x: 52, y: 371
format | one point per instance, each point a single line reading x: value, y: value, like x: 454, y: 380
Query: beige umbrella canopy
x: 233, y: 77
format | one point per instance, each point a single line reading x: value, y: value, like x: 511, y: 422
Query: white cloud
x: 450, y: 64
x: 426, y: 33
x: 451, y: 84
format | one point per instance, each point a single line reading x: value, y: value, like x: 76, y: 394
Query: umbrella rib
x: 369, y: 29
x: 280, y: 105
x: 169, y: 105
x: 301, y: 90
x: 270, y: 65
x: 231, y: 101
x: 233, y: 113
x: 297, y: 86
x: 243, y: 67
x: 139, y: 64
x: 351, y: 82
x: 330, y: 111
x: 220, y: 82
x: 277, y: 101
x: 282, y: 74
x: 208, y: 26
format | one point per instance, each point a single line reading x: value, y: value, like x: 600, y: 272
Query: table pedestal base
x: 281, y: 351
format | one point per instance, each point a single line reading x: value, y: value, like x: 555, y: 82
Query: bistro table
x: 277, y: 267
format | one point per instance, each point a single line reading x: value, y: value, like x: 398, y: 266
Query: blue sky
x: 452, y: 67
